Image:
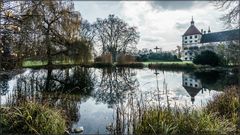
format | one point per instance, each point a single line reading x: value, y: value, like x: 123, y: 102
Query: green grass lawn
x: 32, y: 63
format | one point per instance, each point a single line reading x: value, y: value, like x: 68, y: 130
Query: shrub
x: 125, y: 58
x: 32, y: 118
x: 104, y: 58
x: 207, y: 58
x: 226, y: 105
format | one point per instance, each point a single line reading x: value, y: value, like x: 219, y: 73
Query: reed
x: 32, y: 118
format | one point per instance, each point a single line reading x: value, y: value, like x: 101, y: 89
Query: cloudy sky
x: 160, y: 23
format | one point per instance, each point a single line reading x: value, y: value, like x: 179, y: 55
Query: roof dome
x: 192, y: 30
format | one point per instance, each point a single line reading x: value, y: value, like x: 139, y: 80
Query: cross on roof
x: 156, y: 48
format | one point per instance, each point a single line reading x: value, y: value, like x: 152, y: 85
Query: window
x: 185, y: 58
x: 185, y: 83
x: 185, y: 42
x: 185, y: 53
x: 196, y: 85
x: 195, y: 36
x: 195, y: 40
x: 190, y: 41
x: 190, y: 53
x: 185, y: 37
x: 190, y: 37
x: 190, y: 84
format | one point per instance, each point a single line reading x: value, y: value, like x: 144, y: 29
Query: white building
x: 194, y: 41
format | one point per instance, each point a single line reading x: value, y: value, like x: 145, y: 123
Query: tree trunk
x: 49, y: 57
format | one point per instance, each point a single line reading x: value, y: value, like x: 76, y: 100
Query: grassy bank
x: 173, y: 66
x: 218, y: 117
x: 58, y: 64
x: 32, y: 118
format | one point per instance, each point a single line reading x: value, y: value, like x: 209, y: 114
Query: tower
x: 190, y: 39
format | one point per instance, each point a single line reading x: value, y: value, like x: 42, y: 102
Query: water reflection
x: 114, y: 84
x: 100, y: 98
x: 194, y: 82
x: 63, y: 88
x: 4, y: 87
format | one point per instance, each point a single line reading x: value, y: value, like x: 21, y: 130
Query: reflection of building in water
x: 191, y: 84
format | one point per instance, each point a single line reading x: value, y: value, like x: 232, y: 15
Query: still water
x: 91, y: 96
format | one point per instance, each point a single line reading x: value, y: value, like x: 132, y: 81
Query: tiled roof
x: 221, y: 36
x: 191, y: 31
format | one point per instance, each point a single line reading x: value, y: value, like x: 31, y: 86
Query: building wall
x: 191, y: 39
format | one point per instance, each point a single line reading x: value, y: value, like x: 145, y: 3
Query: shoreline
x: 140, y: 65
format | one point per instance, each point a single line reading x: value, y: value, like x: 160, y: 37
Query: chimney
x: 202, y: 31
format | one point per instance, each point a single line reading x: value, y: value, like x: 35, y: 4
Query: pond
x: 94, y: 97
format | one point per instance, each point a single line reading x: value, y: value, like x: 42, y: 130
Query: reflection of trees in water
x: 217, y: 80
x: 60, y: 88
x: 4, y: 84
x: 114, y: 84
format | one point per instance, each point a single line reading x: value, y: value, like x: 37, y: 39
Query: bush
x: 125, y: 58
x: 207, y: 58
x: 32, y: 118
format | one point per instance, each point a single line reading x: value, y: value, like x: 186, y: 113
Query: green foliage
x: 80, y: 51
x: 207, y: 58
x: 166, y: 121
x: 32, y: 118
x: 220, y: 116
x: 226, y: 104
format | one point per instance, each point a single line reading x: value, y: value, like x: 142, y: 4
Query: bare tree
x: 231, y: 18
x: 115, y: 36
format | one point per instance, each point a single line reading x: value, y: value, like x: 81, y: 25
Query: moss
x: 32, y: 118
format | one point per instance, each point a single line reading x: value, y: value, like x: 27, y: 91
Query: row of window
x: 190, y: 37
x: 191, y: 84
x: 190, y: 42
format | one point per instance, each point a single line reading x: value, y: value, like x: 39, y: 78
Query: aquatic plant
x: 32, y: 118
x: 226, y: 104
x: 165, y: 121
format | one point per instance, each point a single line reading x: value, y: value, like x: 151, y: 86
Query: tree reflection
x: 59, y: 88
x: 4, y: 84
x: 115, y: 84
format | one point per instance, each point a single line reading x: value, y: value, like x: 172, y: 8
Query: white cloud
x: 156, y: 26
